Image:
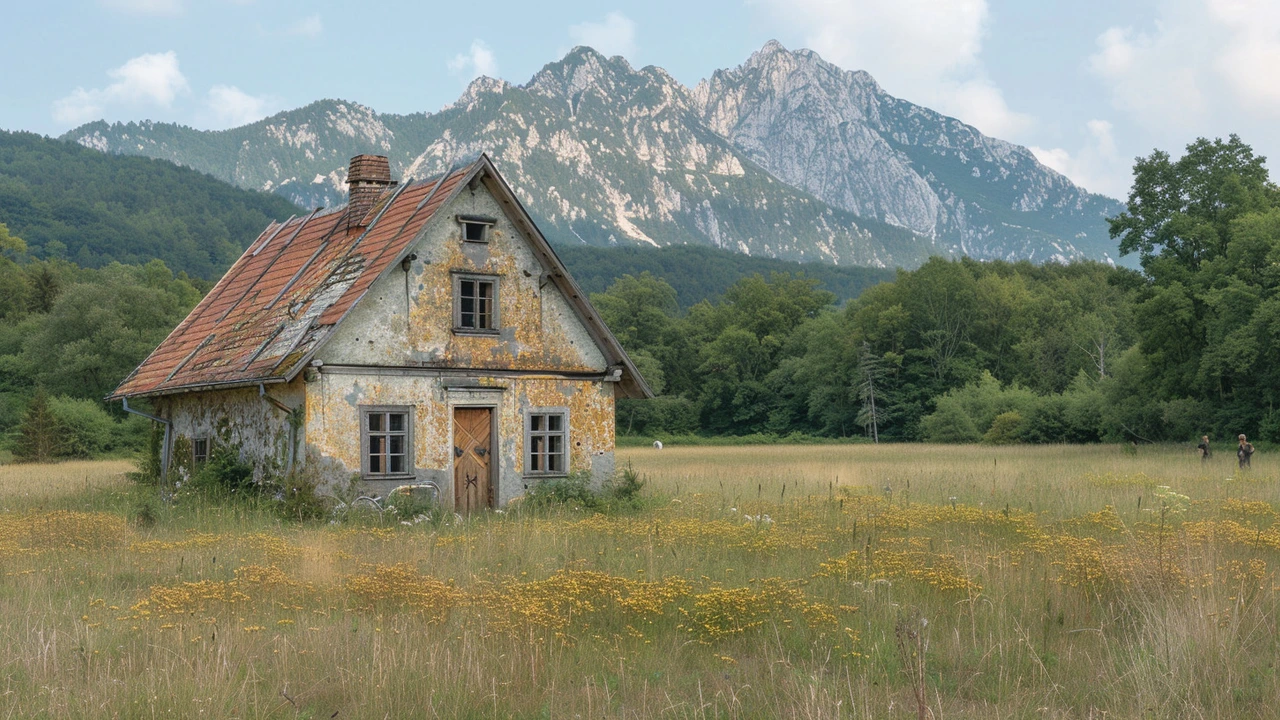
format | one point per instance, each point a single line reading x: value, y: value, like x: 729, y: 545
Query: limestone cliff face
x: 838, y: 135
x: 785, y: 156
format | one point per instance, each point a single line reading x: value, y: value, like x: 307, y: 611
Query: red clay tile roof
x: 286, y: 293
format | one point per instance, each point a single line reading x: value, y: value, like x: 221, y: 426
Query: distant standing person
x: 1244, y: 452
x: 1206, y: 452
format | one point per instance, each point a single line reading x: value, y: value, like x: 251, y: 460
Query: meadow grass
x: 772, y: 581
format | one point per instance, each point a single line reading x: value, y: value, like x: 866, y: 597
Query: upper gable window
x: 475, y: 228
x: 475, y: 303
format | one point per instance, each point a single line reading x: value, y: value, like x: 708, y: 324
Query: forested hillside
x: 69, y: 202
x: 700, y: 273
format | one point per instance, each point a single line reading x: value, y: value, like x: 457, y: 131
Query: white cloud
x: 615, y: 35
x: 1203, y: 66
x: 479, y: 60
x: 232, y: 107
x: 1097, y: 166
x: 147, y: 80
x: 926, y: 51
x: 310, y: 26
x: 146, y: 7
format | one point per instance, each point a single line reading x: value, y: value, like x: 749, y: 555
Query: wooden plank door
x: 472, y: 459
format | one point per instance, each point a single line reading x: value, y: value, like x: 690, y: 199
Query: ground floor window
x: 386, y: 436
x: 200, y: 450
x: 547, y: 441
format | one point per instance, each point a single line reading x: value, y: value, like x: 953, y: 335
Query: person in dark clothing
x: 1244, y: 452
x: 1206, y: 452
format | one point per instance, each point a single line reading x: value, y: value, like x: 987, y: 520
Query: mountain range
x: 785, y: 156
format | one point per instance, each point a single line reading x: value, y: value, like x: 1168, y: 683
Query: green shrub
x: 1006, y: 429
x: 85, y: 430
x: 624, y: 488
x: 949, y: 424
x: 573, y: 490
x: 225, y: 474
x: 300, y: 498
x: 666, y: 414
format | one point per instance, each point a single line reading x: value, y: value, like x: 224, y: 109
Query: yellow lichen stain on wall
x: 526, y: 338
x: 333, y: 415
x: 591, y: 412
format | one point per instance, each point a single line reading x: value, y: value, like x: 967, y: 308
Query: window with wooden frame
x: 386, y: 442
x: 475, y: 303
x: 200, y: 450
x: 546, y: 442
x: 475, y: 228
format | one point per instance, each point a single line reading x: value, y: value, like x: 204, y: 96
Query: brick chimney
x: 368, y: 177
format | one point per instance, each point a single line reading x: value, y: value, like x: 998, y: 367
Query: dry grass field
x: 817, y: 582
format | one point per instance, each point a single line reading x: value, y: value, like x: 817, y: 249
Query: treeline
x: 72, y: 203
x: 68, y: 336
x: 963, y: 351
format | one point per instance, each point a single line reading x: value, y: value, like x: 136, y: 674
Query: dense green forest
x: 955, y: 351
x: 70, y: 202
x: 962, y: 351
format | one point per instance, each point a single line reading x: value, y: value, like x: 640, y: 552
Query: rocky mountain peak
x: 478, y: 88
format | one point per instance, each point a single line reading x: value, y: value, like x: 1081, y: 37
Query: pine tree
x: 38, y: 434
x: 872, y: 371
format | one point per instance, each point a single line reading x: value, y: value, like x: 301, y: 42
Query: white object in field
x: 657, y: 444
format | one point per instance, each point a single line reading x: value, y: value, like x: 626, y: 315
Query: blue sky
x: 1087, y: 84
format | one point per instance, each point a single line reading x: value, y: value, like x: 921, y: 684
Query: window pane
x: 555, y: 463
x: 375, y: 463
x: 555, y: 443
x: 467, y: 288
x: 396, y: 444
x: 536, y: 422
x: 377, y: 444
x: 375, y: 421
x: 555, y: 423
x: 396, y: 463
x: 396, y: 422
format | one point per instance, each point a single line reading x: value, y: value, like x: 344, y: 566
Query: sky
x: 1088, y: 85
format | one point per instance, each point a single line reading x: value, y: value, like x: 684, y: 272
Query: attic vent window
x: 475, y: 228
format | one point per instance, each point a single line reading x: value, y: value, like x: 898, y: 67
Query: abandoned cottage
x: 425, y: 333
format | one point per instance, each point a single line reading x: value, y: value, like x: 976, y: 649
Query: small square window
x: 475, y: 228
x: 475, y: 302
x: 386, y: 442
x: 547, y: 442
x: 200, y: 451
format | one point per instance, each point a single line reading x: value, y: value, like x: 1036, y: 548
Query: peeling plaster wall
x: 238, y: 418
x: 407, y: 318
x: 333, y: 423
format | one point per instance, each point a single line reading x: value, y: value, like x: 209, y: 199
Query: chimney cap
x: 369, y: 168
